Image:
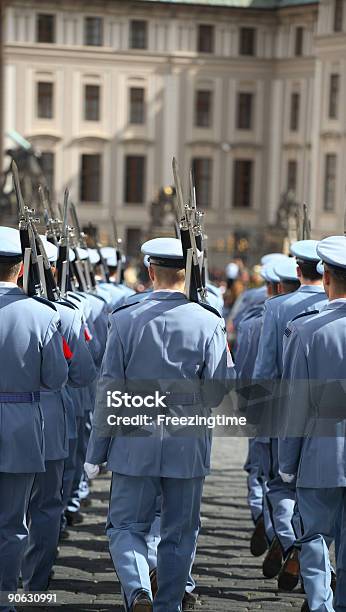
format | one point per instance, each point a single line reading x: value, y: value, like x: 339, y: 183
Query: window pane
x: 202, y: 172
x: 242, y: 184
x: 134, y: 179
x: 138, y: 34
x: 299, y: 41
x: 133, y: 240
x: 90, y: 178
x: 137, y: 105
x: 45, y: 28
x: 247, y: 41
x: 47, y: 165
x: 330, y: 181
x: 93, y: 31
x: 92, y: 103
x: 205, y: 39
x: 44, y: 100
x: 244, y: 111
x: 338, y: 15
x: 295, y: 108
x: 292, y: 175
x: 203, y: 108
x: 334, y: 96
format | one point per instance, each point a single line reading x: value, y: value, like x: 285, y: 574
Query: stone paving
x: 228, y: 577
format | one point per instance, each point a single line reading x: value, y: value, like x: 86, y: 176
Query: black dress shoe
x: 73, y: 518
x: 273, y: 560
x: 153, y: 582
x: 258, y: 542
x: 142, y: 603
x: 305, y: 606
x: 289, y: 574
x: 189, y: 601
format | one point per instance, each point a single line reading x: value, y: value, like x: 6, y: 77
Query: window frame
x: 90, y: 174
x: 131, y: 182
x: 100, y: 20
x: 200, y: 40
x: 53, y: 19
x: 132, y: 35
x: 238, y: 189
x: 39, y: 102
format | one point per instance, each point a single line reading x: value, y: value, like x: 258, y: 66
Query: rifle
x: 32, y: 277
x: 306, y: 223
x: 103, y: 263
x: 50, y: 223
x: 50, y: 288
x: 85, y: 276
x: 118, y: 252
x: 63, y: 249
x: 187, y: 214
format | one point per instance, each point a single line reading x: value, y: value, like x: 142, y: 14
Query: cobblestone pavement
x: 228, y: 577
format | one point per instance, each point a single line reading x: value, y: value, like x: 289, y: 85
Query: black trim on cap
x: 11, y: 259
x: 173, y: 262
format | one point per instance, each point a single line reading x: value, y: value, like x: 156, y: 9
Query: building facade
x: 250, y: 92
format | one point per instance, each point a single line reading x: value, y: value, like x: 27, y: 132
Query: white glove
x: 288, y: 478
x: 91, y: 470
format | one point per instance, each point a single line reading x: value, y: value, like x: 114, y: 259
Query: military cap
x: 94, y: 256
x: 146, y: 261
x: 112, y: 260
x: 51, y: 249
x: 286, y: 269
x: 268, y: 273
x: 232, y: 270
x: 332, y: 250
x: 107, y: 252
x: 165, y: 252
x: 270, y: 257
x: 305, y: 250
x: 82, y: 253
x: 320, y: 267
x: 10, y: 247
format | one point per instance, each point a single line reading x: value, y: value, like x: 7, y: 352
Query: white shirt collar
x: 5, y: 284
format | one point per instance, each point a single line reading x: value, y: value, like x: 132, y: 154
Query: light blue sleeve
x: 82, y: 370
x: 266, y: 365
x: 296, y: 399
x: 54, y: 368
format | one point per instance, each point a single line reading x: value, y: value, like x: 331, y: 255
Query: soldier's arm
x: 54, y: 368
x: 82, y: 370
x: 111, y: 378
x: 266, y: 360
x: 296, y: 402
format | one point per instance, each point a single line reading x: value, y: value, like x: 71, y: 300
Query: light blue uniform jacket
x: 278, y: 311
x: 315, y: 350
x: 164, y: 337
x: 81, y: 372
x: 31, y: 358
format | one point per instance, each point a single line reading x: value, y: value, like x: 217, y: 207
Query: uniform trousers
x: 44, y: 516
x: 15, y: 492
x: 319, y: 510
x: 132, y: 511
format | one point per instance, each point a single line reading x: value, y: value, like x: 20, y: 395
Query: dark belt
x: 11, y: 397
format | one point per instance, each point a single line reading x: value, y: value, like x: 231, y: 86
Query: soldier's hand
x: 91, y: 470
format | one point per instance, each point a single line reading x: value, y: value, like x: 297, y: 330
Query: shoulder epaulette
x: 210, y: 308
x: 45, y: 302
x: 68, y: 304
x: 99, y: 297
x: 125, y: 306
x: 273, y: 297
x: 305, y: 314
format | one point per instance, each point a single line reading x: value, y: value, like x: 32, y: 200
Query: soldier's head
x: 10, y: 269
x: 334, y: 281
x: 305, y: 252
x: 166, y: 263
x: 10, y: 255
x: 167, y: 278
x: 286, y: 270
x: 288, y: 286
x: 332, y: 251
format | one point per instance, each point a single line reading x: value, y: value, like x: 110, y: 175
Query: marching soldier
x: 45, y: 507
x: 168, y: 337
x: 314, y: 353
x: 31, y: 358
x: 278, y: 312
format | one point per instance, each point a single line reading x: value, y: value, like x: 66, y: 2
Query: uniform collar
x: 10, y: 288
x: 7, y: 285
x: 167, y: 294
x: 334, y: 304
x: 311, y: 289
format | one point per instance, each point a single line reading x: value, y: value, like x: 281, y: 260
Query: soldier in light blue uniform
x: 184, y: 341
x: 315, y: 350
x: 31, y: 358
x: 248, y: 337
x: 278, y: 312
x: 46, y: 506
